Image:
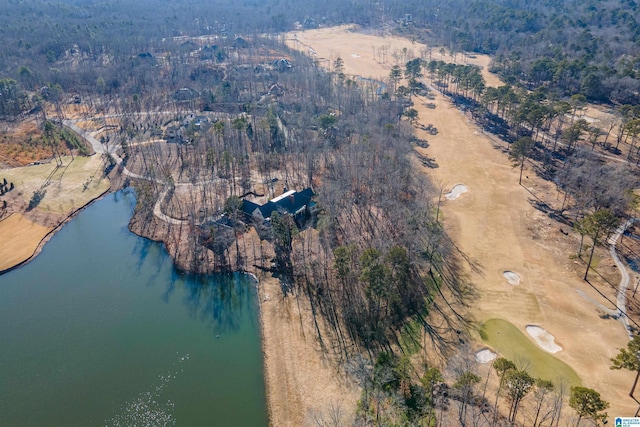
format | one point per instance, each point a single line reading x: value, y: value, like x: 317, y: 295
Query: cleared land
x: 64, y: 189
x: 67, y: 187
x: 493, y: 223
x: 303, y: 384
x: 496, y: 226
x: 20, y: 238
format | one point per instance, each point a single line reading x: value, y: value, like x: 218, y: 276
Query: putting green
x: 506, y: 339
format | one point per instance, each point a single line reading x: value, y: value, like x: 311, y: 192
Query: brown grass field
x: 303, y: 383
x: 372, y: 56
x: 20, y: 238
x: 67, y: 188
x: 73, y: 185
x: 495, y: 226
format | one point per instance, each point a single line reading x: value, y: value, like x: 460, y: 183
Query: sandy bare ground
x: 20, y: 238
x: 496, y: 227
x: 543, y: 338
x: 303, y: 385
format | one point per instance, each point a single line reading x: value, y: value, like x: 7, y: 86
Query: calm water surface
x: 100, y: 330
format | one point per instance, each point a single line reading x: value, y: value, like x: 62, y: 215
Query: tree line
x: 568, y: 47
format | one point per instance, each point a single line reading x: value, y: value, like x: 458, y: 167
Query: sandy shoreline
x: 303, y: 382
x: 66, y: 189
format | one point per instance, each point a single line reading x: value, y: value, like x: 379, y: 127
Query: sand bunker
x: 512, y: 278
x: 456, y: 191
x: 544, y: 339
x: 485, y: 356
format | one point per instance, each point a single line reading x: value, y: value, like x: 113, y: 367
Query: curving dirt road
x: 101, y: 149
x: 621, y: 298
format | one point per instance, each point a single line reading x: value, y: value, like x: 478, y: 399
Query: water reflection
x: 89, y: 325
x: 221, y: 302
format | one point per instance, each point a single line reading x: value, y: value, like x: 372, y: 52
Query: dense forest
x: 587, y: 47
x: 567, y: 46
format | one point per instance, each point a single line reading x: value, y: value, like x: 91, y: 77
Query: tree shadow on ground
x: 429, y: 163
x: 475, y: 266
x: 614, y: 303
x: 504, y: 149
x: 611, y: 285
x: 551, y: 213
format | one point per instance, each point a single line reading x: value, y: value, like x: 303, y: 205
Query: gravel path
x: 95, y: 144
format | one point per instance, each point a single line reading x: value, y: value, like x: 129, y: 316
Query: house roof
x: 283, y: 196
x: 249, y: 207
x: 290, y: 202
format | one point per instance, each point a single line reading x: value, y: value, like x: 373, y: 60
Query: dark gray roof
x: 289, y: 204
x: 249, y: 207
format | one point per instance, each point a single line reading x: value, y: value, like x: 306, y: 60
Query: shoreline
x: 77, y: 186
x: 54, y: 230
x: 304, y: 382
x: 266, y: 367
x: 299, y: 377
x: 494, y: 224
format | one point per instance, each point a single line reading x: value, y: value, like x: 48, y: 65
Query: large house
x: 296, y: 203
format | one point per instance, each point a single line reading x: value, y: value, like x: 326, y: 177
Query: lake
x: 101, y: 330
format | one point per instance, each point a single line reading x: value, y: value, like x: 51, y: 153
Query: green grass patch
x: 506, y: 339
